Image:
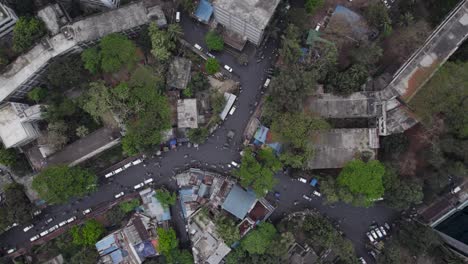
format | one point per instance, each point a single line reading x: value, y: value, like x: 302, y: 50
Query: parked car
x: 362, y: 260
x: 26, y: 229
x: 71, y: 219
x: 11, y: 250
x: 177, y: 17
x: 233, y: 109
x: 34, y: 238
x: 371, y: 239
x: 374, y: 234
x: 53, y: 228
x: 62, y: 223
x: 87, y: 211
x: 387, y: 226
x: 138, y: 186
x: 136, y: 162
x: 148, y: 181
x: 120, y: 194
x: 37, y: 212
x: 198, y: 47
x: 108, y: 175
x: 307, y: 197
x: 235, y: 164
x: 49, y: 220
x: 383, y: 230
x: 128, y: 165
x: 44, y: 233
x: 302, y: 180
x: 378, y: 232
x: 317, y: 194
x: 267, y: 82
x: 227, y: 68
x: 210, y: 55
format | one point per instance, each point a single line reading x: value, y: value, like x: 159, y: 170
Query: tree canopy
x: 260, y: 239
x: 378, y: 16
x: 87, y: 234
x: 165, y: 197
x: 312, y: 5
x: 8, y: 157
x: 212, y: 66
x: 227, y: 229
x: 26, y: 31
x: 198, y: 135
x: 257, y: 172
x: 16, y: 207
x: 290, y: 50
x: 161, y: 43
x: 37, y: 94
x: 214, y: 41
x: 67, y: 72
x: 401, y: 193
x: 57, y: 184
x: 363, y: 179
x: 167, y: 241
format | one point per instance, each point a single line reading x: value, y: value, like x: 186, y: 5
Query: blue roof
x: 238, y: 202
x: 203, y: 191
x: 117, y: 256
x: 106, y: 245
x: 145, y: 249
x: 204, y: 11
x: 261, y: 134
x: 276, y: 146
x: 185, y: 196
x: 353, y: 18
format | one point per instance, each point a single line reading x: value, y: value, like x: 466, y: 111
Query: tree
x: 88, y: 234
x: 377, y: 16
x: 260, y: 239
x: 82, y: 131
x: 284, y: 241
x: 161, y: 43
x: 312, y: 5
x: 363, y: 179
x: 57, y: 184
x: 97, y: 100
x: 57, y: 134
x: 349, y: 80
x: 188, y: 5
x: 329, y: 189
x: 91, y: 59
x: 37, y: 94
x: 319, y: 230
x: 214, y: 41
x: 8, y: 157
x: 212, y: 66
x: 87, y: 255
x: 16, y: 207
x: 26, y: 31
x: 218, y: 101
x: 165, y: 197
x: 115, y: 215
x: 367, y: 55
x: 399, y: 193
x: 174, y: 31
x: 167, y: 241
x: 198, y: 83
x: 290, y: 50
x: 257, y: 174
x: 227, y: 229
x: 116, y: 50
x: 129, y: 206
x: 198, y: 135
x: 67, y: 72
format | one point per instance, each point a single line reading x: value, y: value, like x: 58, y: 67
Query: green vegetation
x: 296, y: 130
x: 214, y: 41
x: 87, y: 234
x: 161, y: 43
x: 290, y: 50
x: 259, y: 240
x: 312, y: 5
x: 401, y: 193
x: 57, y: 184
x: 8, y: 157
x: 363, y: 180
x: 167, y: 241
x: 212, y: 66
x: 257, y: 172
x: 227, y: 229
x: 165, y: 197
x: 27, y: 30
x: 114, y: 52
x: 198, y: 83
x: 16, y: 207
x: 129, y: 206
x: 188, y: 5
x: 198, y: 135
x: 37, y: 94
x: 377, y: 16
x: 67, y: 72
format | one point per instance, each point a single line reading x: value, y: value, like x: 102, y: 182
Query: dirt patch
x: 413, y: 159
x: 418, y: 78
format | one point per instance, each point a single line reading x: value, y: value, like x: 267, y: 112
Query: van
x: 198, y: 47
x: 177, y: 17
x: 267, y: 82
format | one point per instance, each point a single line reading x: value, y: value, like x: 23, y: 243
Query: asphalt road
x: 353, y: 221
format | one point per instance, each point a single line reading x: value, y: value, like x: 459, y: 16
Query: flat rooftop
x: 12, y: 130
x: 187, y: 114
x: 331, y: 106
x: 254, y: 12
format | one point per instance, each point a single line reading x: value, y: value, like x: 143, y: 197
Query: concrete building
x: 153, y: 208
x: 8, y: 19
x: 187, y: 113
x: 245, y: 18
x: 179, y: 73
x: 27, y: 70
x: 104, y: 3
x: 18, y: 124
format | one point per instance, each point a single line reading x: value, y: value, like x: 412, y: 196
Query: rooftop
x: 335, y: 147
x: 239, y: 202
x: 179, y: 73
x: 204, y: 11
x: 353, y: 106
x: 254, y: 12
x: 152, y: 207
x: 187, y: 113
x: 13, y: 131
x: 346, y: 25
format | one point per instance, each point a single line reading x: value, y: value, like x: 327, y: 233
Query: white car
x: 34, y: 238
x: 374, y: 234
x: 198, y: 47
x: 148, y: 181
x: 383, y: 230
x: 177, y: 17
x: 71, y: 219
x: 210, y: 55
x: 227, y: 68
x: 233, y: 109
x: 128, y: 165
x: 307, y: 197
x: 62, y: 223
x: 11, y: 250
x: 136, y: 162
x: 118, y: 170
x: 110, y: 174
x: 267, y: 82
x: 378, y: 232
x: 235, y: 164
x: 120, y: 194
x: 53, y: 228
x: 49, y: 220
x: 26, y: 229
x: 302, y: 180
x: 138, y: 186
x: 87, y: 211
x: 370, y: 237
x: 317, y: 194
x: 44, y: 233
x: 37, y: 212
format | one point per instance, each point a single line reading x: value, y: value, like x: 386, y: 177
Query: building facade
x: 8, y: 20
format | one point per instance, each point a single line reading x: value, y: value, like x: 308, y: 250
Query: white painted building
x: 8, y: 20
x: 18, y: 124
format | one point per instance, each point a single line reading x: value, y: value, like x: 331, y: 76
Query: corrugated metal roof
x: 239, y: 202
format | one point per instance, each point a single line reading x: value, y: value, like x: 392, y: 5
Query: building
x: 18, y: 124
x: 8, y: 19
x: 101, y: 3
x: 153, y: 208
x: 27, y: 71
x: 334, y: 148
x: 187, y: 113
x: 179, y: 73
x: 244, y: 19
x: 131, y: 244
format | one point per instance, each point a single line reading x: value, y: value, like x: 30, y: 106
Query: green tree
x: 88, y: 234
x: 97, y: 100
x: 57, y: 184
x: 16, y: 207
x: 212, y: 66
x: 129, y: 206
x: 256, y: 173
x: 198, y: 135
x: 82, y: 131
x: 312, y: 5
x: 188, y: 5
x: 328, y: 188
x: 218, y: 101
x: 161, y: 43
x: 198, y: 83
x: 214, y: 41
x: 290, y: 50
x: 174, y: 31
x: 67, y: 72
x: 399, y: 193
x: 116, y: 51
x: 227, y: 229
x: 91, y: 58
x: 348, y: 81
x: 377, y: 16
x: 8, y: 157
x: 115, y: 215
x: 260, y: 239
x: 319, y: 230
x: 167, y: 241
x: 37, y: 94
x: 87, y: 255
x: 283, y: 243
x: 165, y: 197
x: 363, y: 179
x: 57, y: 134
x: 26, y: 31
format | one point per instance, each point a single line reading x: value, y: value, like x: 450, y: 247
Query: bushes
x: 212, y: 66
x: 214, y: 41
x: 27, y: 30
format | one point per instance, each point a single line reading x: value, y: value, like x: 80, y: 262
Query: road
x: 354, y: 221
